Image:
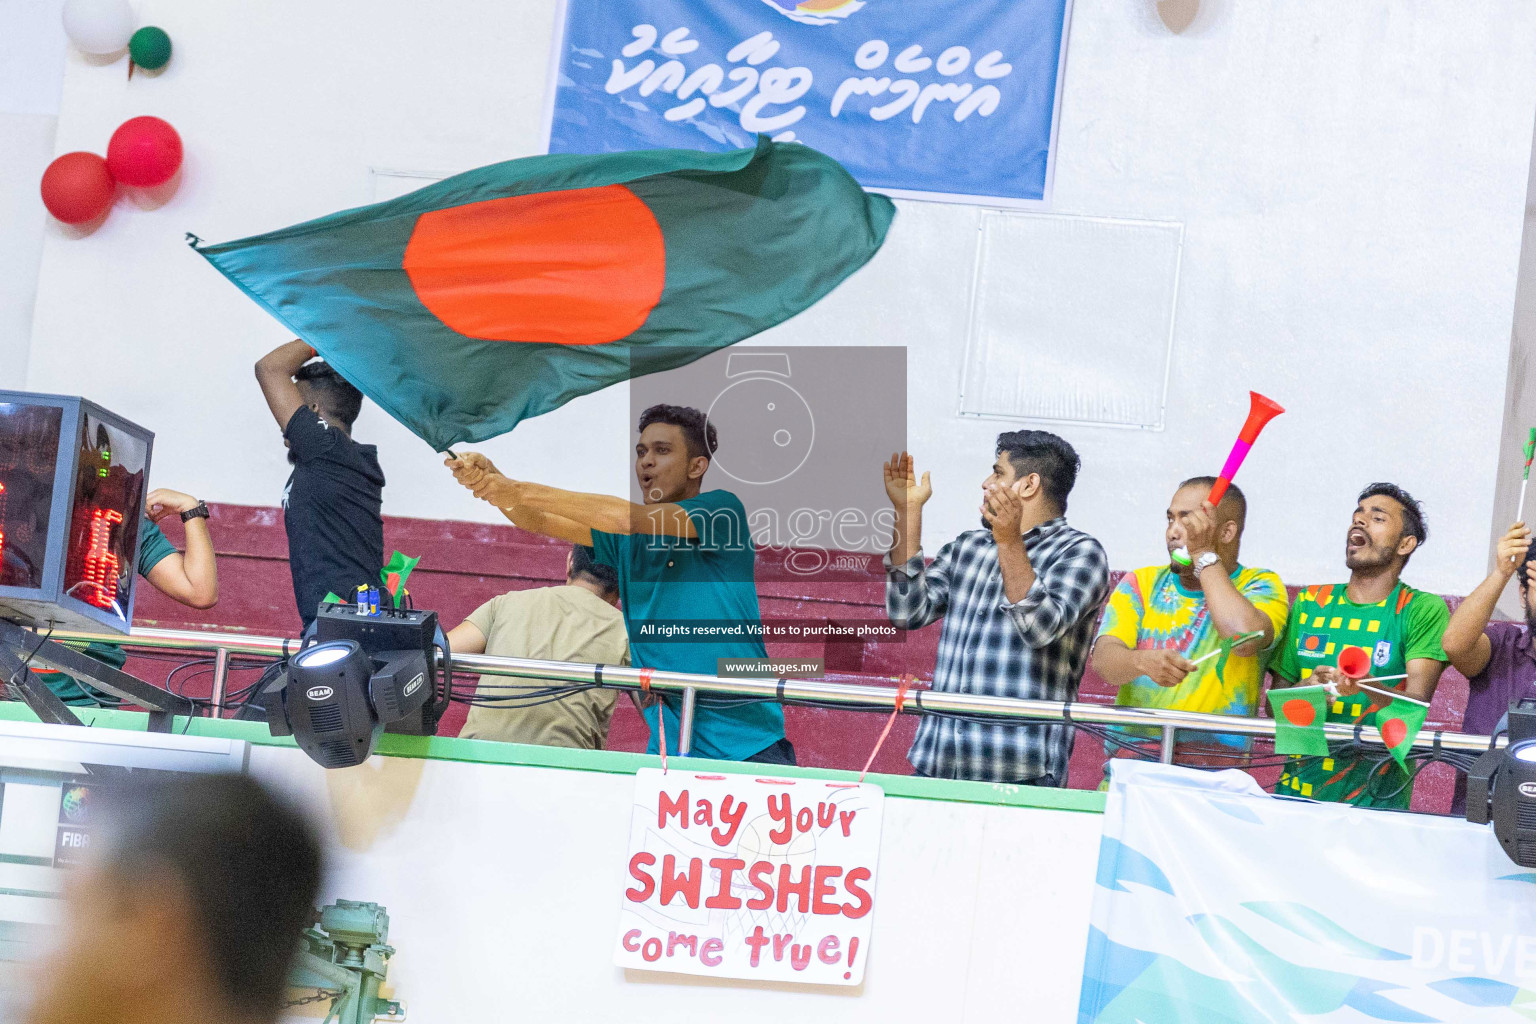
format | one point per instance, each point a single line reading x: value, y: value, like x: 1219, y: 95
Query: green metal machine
x: 346, y: 959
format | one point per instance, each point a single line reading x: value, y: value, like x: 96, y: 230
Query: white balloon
x: 98, y: 26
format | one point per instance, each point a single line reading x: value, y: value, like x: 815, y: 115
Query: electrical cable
x: 1381, y: 787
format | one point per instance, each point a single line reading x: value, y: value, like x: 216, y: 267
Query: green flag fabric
x: 1299, y: 713
x: 1230, y: 642
x: 502, y: 293
x: 1399, y: 723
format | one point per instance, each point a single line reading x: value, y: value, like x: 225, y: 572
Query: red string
x: 901, y: 698
x: 661, y: 716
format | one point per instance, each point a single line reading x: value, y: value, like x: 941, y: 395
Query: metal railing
x: 851, y: 696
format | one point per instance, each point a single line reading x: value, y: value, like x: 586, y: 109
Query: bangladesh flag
x: 502, y: 293
x: 1399, y: 723
x: 1299, y: 713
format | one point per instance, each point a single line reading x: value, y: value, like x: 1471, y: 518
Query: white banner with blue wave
x: 1219, y: 904
x: 944, y: 99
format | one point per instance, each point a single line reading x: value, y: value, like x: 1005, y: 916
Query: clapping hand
x: 902, y: 485
x: 1003, y: 510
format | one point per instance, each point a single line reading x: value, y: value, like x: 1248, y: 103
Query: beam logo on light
x: 319, y: 693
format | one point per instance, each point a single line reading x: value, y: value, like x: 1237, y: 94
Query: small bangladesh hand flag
x: 1299, y: 713
x: 1400, y: 723
x: 502, y: 293
x: 395, y: 573
x: 1228, y: 644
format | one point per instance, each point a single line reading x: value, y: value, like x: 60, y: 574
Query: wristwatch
x: 1205, y: 561
x: 200, y: 512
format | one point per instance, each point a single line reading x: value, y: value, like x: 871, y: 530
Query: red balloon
x: 78, y: 187
x: 144, y: 151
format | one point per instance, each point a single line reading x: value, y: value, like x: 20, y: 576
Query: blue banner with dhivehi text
x: 954, y: 99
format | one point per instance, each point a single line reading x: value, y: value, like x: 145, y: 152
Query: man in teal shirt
x: 684, y: 557
x: 190, y: 579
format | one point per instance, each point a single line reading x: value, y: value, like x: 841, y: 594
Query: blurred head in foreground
x: 189, y: 907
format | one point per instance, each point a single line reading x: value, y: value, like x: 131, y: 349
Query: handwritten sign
x: 742, y: 876
x: 947, y: 99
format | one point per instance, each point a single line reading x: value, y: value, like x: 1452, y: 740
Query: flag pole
x: 1389, y: 693
x: 1236, y: 641
x: 1525, y: 479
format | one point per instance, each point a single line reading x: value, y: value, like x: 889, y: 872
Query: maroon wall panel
x: 466, y: 564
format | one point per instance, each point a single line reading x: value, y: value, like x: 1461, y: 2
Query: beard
x: 985, y: 525
x: 1368, y: 557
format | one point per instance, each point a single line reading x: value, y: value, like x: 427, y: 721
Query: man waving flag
x: 504, y: 292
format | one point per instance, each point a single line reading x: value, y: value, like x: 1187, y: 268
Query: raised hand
x: 481, y: 477
x: 1200, y: 530
x: 1512, y: 548
x: 163, y: 502
x: 902, y: 485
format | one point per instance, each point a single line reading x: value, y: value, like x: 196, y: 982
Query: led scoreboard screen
x: 29, y: 454
x: 73, y: 478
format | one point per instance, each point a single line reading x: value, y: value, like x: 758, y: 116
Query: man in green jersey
x: 1398, y: 626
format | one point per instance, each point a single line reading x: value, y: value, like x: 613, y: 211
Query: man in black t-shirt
x: 331, y: 504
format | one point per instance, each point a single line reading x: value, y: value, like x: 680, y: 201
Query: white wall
x: 26, y: 146
x: 31, y: 78
x: 1519, y: 399
x: 503, y: 885
x: 1352, y: 179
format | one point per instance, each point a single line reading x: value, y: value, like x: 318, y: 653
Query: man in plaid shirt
x: 1019, y: 599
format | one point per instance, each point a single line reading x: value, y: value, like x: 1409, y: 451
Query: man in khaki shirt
x: 578, y: 622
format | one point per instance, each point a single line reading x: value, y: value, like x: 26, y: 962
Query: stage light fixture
x: 1501, y: 787
x: 359, y: 674
x: 327, y: 705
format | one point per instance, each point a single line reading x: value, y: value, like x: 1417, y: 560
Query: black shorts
x: 782, y: 752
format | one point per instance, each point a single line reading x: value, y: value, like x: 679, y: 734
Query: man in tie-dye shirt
x: 1162, y: 619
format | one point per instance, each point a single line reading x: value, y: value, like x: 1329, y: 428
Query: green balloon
x: 150, y: 48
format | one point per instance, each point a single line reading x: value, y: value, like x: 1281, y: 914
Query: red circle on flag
x: 1312, y: 643
x: 1393, y: 731
x: 580, y: 267
x: 1298, y: 711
